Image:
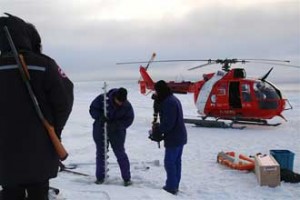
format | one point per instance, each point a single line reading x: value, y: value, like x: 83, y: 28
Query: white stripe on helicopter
x: 206, y: 90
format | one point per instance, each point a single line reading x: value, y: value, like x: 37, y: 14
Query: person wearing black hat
x: 27, y: 157
x: 174, y: 131
x: 120, y: 116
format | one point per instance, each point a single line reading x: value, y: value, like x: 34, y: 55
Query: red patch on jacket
x: 62, y: 73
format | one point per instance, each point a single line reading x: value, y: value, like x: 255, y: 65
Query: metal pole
x: 105, y: 133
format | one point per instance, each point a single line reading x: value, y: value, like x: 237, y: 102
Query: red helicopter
x: 226, y: 94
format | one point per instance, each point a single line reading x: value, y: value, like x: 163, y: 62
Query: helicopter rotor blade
x: 151, y: 60
x: 158, y: 61
x: 226, y: 63
x: 268, y: 60
x: 266, y: 75
x: 272, y: 63
x: 199, y: 66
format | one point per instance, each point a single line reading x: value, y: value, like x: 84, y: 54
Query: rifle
x: 59, y: 148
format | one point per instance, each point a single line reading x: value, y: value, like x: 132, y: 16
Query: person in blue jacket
x: 120, y: 116
x: 175, y: 135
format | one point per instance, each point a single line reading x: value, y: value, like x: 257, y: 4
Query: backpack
x: 155, y: 134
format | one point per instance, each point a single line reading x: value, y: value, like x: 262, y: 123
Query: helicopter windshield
x: 266, y: 95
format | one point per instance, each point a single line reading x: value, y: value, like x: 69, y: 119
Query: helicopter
x: 226, y: 94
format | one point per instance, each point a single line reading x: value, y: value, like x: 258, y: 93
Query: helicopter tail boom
x: 183, y: 87
x: 146, y: 81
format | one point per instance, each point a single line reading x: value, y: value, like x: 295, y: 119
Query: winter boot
x: 99, y: 182
x: 174, y: 192
x: 127, y: 183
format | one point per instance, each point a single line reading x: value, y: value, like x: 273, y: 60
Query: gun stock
x: 59, y: 148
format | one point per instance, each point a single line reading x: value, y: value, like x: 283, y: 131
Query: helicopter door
x: 234, y: 95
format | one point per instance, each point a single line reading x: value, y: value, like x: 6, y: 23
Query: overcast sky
x: 88, y: 37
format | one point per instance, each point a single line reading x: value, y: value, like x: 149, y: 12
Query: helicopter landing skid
x: 258, y: 123
x: 211, y: 123
x: 222, y: 124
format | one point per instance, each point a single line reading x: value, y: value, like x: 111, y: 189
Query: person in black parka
x: 27, y: 157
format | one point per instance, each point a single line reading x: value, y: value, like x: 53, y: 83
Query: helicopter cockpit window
x: 266, y: 95
x: 246, y: 96
x: 220, y: 73
x: 239, y: 73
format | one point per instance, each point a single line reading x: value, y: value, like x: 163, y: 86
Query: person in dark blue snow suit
x: 120, y: 116
x: 175, y: 135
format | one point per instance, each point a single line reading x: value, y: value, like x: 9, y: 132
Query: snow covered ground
x: 202, y: 177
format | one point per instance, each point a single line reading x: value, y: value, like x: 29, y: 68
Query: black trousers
x: 33, y: 191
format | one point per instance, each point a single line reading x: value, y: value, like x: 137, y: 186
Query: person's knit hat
x: 162, y: 89
x: 121, y: 94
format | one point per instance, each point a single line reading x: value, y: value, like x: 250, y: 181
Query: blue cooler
x: 285, y: 158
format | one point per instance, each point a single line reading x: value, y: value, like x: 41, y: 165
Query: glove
x: 154, y: 96
x: 104, y: 119
x: 155, y: 126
